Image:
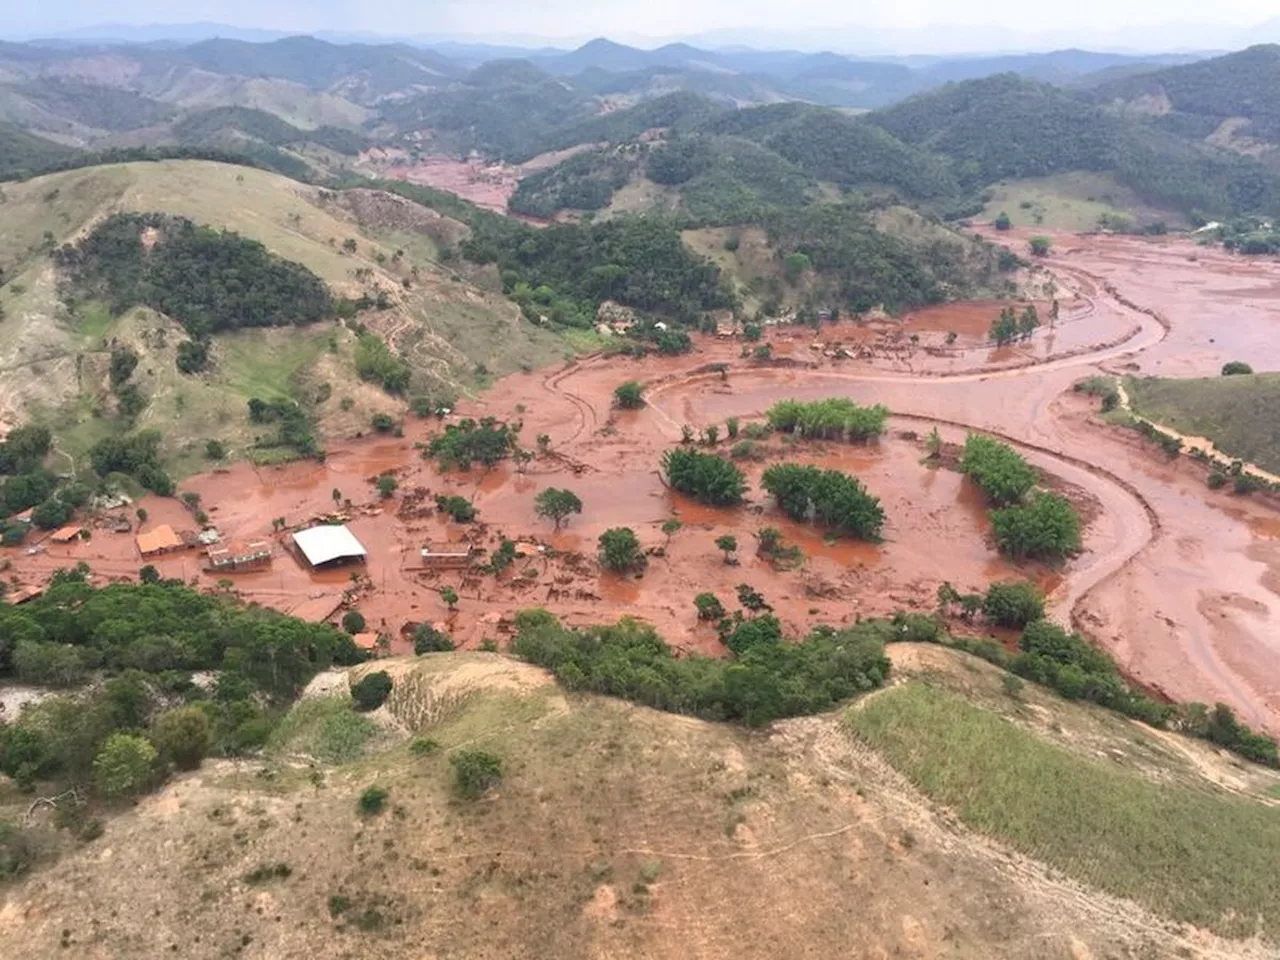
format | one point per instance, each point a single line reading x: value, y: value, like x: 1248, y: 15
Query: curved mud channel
x: 1181, y: 584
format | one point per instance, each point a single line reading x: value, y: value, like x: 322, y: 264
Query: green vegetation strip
x: 1196, y: 856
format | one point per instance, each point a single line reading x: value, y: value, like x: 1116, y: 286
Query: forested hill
x: 1008, y: 127
x: 22, y: 152
x: 1196, y: 98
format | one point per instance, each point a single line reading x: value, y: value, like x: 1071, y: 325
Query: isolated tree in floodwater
x: 556, y: 504
x: 728, y: 543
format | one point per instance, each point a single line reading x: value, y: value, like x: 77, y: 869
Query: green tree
x: 371, y: 691
x: 1002, y: 222
x: 670, y: 527
x: 124, y: 765
x: 704, y: 476
x: 1028, y: 322
x: 183, y: 736
x: 1040, y: 246
x: 1235, y: 368
x: 1046, y: 527
x: 1004, y: 329
x: 709, y: 607
x: 629, y: 395
x: 796, y: 266
x: 449, y: 596
x: 556, y: 504
x: 214, y: 450
x: 353, y: 622
x: 475, y: 772
x: 51, y: 514
x: 383, y: 422
x: 997, y: 468
x: 620, y: 550
x: 1013, y: 604
x: 458, y: 508
x: 427, y: 639
x: 387, y: 485
x: 729, y: 544
x: 372, y: 801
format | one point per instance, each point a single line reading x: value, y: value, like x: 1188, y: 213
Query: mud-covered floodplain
x: 1179, y: 583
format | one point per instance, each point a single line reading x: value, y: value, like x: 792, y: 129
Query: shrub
x: 427, y: 639
x: 382, y: 422
x: 423, y: 746
x: 124, y: 765
x: 704, y: 476
x: 1040, y: 246
x: 372, y: 691
x: 620, y: 550
x: 475, y: 772
x: 183, y: 736
x: 353, y: 622
x: 193, y: 356
x: 729, y: 544
x: 449, y: 596
x: 1013, y: 604
x: 459, y: 508
x: 758, y: 632
x: 387, y: 484
x: 1216, y: 479
x: 51, y: 514
x: 1047, y: 527
x: 1002, y: 222
x: 709, y: 606
x: 1236, y: 368
x: 372, y: 801
x: 629, y: 396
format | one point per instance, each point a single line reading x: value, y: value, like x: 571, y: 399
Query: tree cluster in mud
x: 833, y: 499
x: 836, y: 418
x: 487, y: 441
x: 704, y: 476
x: 1027, y: 523
x: 769, y: 679
x: 147, y: 640
x: 25, y: 484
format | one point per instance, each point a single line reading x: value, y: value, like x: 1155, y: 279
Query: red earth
x: 1180, y: 583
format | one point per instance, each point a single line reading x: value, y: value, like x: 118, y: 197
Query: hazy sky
x: 637, y: 19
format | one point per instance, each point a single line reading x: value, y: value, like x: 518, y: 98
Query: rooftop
x: 325, y: 544
x: 160, y: 539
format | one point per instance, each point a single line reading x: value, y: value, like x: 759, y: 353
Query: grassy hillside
x: 1237, y: 413
x: 641, y: 835
x: 1073, y: 201
x: 54, y: 358
x: 1195, y: 855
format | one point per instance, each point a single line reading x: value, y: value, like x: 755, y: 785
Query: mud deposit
x: 1181, y: 584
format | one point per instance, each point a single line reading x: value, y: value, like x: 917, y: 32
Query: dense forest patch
x: 207, y: 280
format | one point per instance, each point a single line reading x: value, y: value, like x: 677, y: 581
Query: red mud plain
x: 1181, y: 584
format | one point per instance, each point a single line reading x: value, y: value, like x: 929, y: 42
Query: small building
x: 161, y: 540
x: 450, y: 556
x: 329, y: 544
x: 237, y: 557
x: 66, y: 534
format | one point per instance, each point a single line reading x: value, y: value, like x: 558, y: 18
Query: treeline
x: 770, y: 679
x: 1068, y: 664
x: 35, y: 161
x: 207, y: 280
x: 584, y: 182
x: 148, y: 640
x: 637, y: 261
x: 1027, y: 523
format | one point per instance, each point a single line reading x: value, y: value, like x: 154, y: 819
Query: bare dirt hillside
x: 616, y: 832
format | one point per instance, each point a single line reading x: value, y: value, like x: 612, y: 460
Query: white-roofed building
x: 328, y: 544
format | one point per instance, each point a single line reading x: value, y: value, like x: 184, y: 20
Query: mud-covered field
x: 1180, y: 583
